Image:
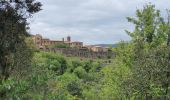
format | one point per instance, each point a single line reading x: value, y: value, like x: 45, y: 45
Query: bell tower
x: 68, y: 38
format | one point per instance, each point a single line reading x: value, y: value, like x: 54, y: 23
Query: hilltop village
x: 71, y: 48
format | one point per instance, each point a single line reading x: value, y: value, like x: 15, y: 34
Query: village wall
x: 80, y: 52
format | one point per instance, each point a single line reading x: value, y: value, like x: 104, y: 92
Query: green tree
x: 80, y: 72
x: 13, y: 31
x: 60, y: 46
x: 149, y: 64
x: 74, y: 88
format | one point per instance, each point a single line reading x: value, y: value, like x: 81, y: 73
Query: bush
x: 80, y: 72
x: 74, y: 89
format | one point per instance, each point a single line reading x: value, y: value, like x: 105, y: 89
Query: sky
x: 89, y: 21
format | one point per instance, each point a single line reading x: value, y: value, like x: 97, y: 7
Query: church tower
x: 68, y: 38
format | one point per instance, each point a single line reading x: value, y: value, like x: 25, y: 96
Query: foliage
x: 15, y: 54
x: 60, y: 46
x: 149, y: 62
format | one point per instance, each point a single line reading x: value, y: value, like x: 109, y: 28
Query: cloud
x: 90, y: 21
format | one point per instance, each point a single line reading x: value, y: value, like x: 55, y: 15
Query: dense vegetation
x: 60, y: 46
x: 55, y: 77
x: 140, y: 70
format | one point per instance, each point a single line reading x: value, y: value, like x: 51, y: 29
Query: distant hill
x: 105, y: 45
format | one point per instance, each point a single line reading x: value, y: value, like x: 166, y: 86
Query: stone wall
x: 80, y: 52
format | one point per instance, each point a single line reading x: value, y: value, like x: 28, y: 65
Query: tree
x: 74, y: 88
x: 80, y: 72
x: 13, y: 31
x: 146, y: 24
x: 60, y: 46
x: 150, y: 65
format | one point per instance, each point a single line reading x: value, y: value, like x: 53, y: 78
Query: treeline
x: 140, y: 70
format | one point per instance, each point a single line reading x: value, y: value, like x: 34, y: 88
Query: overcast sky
x: 90, y: 21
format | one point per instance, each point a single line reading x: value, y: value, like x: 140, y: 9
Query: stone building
x: 40, y: 42
x: 77, y: 44
x: 97, y: 48
x: 37, y: 40
x: 76, y: 48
